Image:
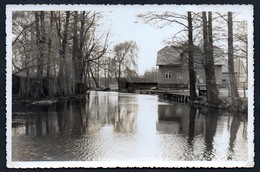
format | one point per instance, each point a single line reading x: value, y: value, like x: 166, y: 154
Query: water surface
x: 126, y: 127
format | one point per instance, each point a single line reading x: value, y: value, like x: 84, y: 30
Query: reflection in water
x: 234, y: 131
x: 210, y: 131
x: 114, y: 126
x: 192, y: 115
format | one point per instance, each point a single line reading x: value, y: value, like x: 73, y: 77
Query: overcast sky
x: 121, y: 19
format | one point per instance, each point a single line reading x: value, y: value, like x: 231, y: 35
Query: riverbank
x: 183, y: 97
x: 225, y: 104
x: 46, y: 100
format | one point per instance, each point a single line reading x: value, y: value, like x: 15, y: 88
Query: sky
x: 121, y: 20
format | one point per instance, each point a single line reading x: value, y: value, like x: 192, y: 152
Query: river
x: 123, y: 127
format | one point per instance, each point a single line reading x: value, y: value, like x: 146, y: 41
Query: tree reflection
x: 79, y: 120
x: 61, y: 110
x: 233, y: 134
x: 125, y: 119
x: 211, y: 116
x: 39, y: 125
x: 192, y: 117
x: 101, y: 110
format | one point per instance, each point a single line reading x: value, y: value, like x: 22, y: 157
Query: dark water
x: 122, y: 127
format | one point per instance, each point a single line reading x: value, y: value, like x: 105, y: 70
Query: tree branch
x: 22, y: 32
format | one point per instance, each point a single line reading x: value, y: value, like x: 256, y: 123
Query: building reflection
x: 189, y: 122
x: 179, y: 119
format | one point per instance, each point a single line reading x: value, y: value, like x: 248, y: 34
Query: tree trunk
x: 28, y: 84
x: 119, y: 77
x: 93, y: 77
x: 88, y: 75
x: 64, y: 88
x: 98, y: 71
x: 81, y: 64
x: 39, y: 43
x: 211, y: 88
x: 75, y: 46
x: 193, y: 95
x: 232, y: 78
x: 49, y: 56
x: 42, y: 51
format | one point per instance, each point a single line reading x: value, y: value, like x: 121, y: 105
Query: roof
x: 169, y: 55
x: 172, y: 55
x: 198, y: 54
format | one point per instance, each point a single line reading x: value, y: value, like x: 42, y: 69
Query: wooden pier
x: 175, y: 96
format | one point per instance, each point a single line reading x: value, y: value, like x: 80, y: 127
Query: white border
x: 111, y: 164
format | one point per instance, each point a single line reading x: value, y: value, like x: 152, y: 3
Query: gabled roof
x: 172, y: 55
x: 169, y: 55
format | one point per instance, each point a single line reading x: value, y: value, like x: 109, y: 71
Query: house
x: 173, y: 72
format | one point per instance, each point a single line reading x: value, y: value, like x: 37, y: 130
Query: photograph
x: 129, y: 86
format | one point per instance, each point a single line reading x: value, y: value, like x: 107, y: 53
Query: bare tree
x: 60, y: 48
x: 192, y: 76
x: 241, y: 49
x: 211, y: 88
x: 40, y: 43
x: 232, y: 78
x: 63, y: 76
x: 237, y: 48
x: 125, y: 58
x: 75, y: 48
x: 50, y: 56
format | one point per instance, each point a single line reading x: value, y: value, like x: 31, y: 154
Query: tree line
x: 64, y: 52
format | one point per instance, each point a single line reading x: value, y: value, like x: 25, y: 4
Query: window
x: 168, y: 75
x: 179, y: 75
